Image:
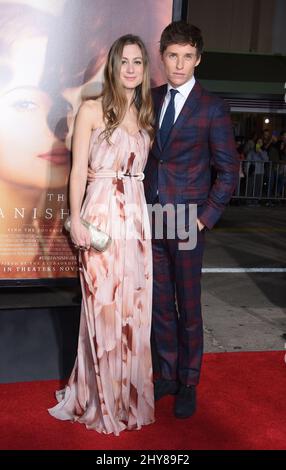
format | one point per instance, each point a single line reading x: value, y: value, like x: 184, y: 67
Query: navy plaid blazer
x: 181, y: 171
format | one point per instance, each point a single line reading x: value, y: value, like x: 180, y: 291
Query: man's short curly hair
x: 180, y: 32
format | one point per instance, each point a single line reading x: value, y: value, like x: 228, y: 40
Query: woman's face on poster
x: 31, y: 155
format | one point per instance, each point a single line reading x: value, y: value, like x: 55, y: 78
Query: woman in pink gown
x: 111, y: 386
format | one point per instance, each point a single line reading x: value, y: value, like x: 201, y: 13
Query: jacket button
x: 161, y: 161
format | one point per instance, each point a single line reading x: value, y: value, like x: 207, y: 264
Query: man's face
x: 179, y: 62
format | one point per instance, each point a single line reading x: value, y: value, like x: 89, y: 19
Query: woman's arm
x: 80, y: 149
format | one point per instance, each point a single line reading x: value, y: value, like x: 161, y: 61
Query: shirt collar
x: 186, y: 88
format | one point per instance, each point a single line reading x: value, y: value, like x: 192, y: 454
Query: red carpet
x: 241, y: 405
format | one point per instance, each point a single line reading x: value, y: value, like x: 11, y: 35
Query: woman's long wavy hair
x: 114, y: 101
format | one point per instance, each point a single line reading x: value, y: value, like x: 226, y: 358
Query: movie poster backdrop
x: 52, y: 55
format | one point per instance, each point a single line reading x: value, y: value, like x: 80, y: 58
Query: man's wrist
x: 201, y: 226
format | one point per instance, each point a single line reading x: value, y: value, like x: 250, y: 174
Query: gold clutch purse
x: 99, y: 240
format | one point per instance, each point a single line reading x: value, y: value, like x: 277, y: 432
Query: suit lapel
x: 158, y: 103
x: 189, y: 107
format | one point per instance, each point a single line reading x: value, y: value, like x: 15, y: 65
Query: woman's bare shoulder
x: 91, y: 110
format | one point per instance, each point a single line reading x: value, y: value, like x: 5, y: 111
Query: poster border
x: 180, y: 10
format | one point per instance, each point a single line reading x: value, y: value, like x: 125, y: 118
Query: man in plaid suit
x: 193, y: 134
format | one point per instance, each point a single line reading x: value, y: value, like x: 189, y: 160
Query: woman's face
x: 132, y: 69
x: 30, y: 154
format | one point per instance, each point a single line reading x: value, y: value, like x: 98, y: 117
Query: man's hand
x: 200, y: 225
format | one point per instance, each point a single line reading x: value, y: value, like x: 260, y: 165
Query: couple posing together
x: 174, y: 136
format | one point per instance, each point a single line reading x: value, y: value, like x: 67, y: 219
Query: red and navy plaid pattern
x: 177, y: 320
x: 201, y: 136
x: 181, y: 171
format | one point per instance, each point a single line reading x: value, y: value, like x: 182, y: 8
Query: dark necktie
x: 168, y: 119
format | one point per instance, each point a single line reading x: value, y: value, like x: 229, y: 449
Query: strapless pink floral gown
x: 111, y: 387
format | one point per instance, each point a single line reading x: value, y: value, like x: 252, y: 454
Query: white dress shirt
x: 180, y: 98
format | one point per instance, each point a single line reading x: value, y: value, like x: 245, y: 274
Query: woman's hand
x: 80, y: 235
